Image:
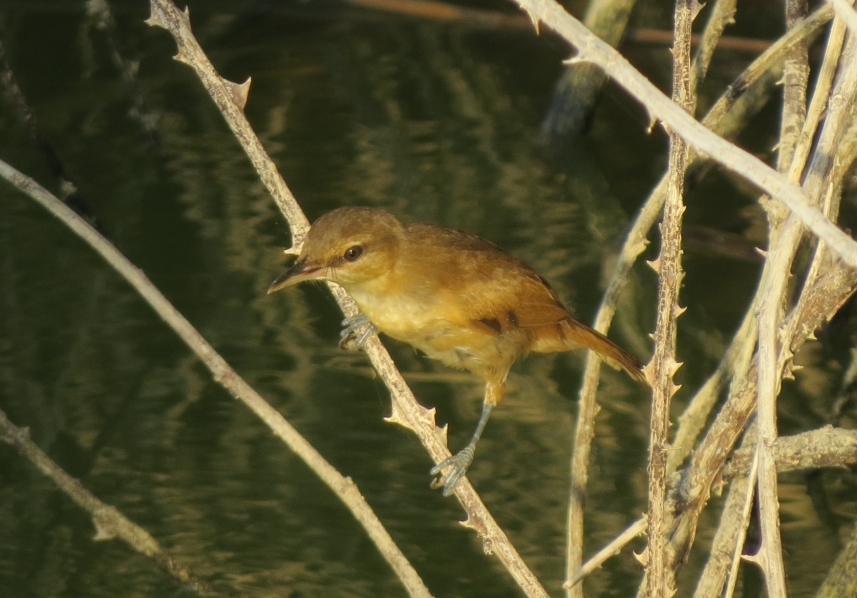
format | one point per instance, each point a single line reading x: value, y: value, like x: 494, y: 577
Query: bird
x: 456, y: 297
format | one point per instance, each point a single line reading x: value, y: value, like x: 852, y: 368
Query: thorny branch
x: 109, y: 522
x: 726, y: 117
x: 826, y: 287
x: 591, y: 50
x: 343, y: 487
x: 660, y: 576
x: 230, y: 98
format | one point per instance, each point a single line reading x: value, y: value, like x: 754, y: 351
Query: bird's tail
x: 570, y: 334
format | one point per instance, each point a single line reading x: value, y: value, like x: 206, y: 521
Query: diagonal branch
x: 660, y: 107
x: 846, y: 12
x: 109, y: 522
x: 406, y: 411
x: 223, y: 374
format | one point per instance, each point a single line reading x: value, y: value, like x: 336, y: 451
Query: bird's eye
x: 353, y: 253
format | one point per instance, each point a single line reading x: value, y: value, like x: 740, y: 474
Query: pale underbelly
x: 456, y: 345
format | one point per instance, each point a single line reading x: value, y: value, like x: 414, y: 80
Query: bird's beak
x: 297, y: 273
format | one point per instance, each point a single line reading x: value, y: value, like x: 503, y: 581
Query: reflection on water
x: 431, y: 122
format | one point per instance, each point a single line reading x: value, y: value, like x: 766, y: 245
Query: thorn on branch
x: 756, y: 559
x: 695, y: 7
x: 183, y: 57
x: 534, y: 20
x: 467, y: 523
x: 103, y: 529
x: 653, y: 121
x: 294, y: 249
x: 238, y: 91
x: 673, y: 388
x: 476, y: 524
x: 672, y: 366
x: 442, y: 430
x: 649, y: 371
x: 155, y: 20
x: 397, y: 417
x: 655, y: 265
x: 576, y: 59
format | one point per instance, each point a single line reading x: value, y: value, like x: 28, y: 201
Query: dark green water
x: 433, y: 122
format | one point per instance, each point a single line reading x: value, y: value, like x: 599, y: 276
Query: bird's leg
x: 463, y: 458
x: 357, y: 330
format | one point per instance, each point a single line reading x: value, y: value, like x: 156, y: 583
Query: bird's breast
x: 439, y: 327
x: 401, y: 316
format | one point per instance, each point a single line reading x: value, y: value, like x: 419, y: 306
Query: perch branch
x: 406, y: 410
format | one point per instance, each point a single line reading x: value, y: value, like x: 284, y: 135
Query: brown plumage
x: 456, y: 297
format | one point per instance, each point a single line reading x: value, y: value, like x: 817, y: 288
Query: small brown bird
x: 456, y: 297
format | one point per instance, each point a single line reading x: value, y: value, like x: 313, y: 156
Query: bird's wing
x: 478, y: 283
x: 514, y: 299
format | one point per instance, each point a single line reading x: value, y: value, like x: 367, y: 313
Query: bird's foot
x: 357, y: 329
x: 459, y: 462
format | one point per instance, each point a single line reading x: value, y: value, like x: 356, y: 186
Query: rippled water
x: 434, y: 122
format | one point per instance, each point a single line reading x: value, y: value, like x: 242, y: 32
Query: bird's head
x: 349, y: 246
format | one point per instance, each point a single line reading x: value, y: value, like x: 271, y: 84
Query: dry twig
x: 612, y: 548
x: 721, y: 120
x: 660, y: 575
x: 659, y: 107
x: 109, y: 522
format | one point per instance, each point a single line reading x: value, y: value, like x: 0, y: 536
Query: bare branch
x: 109, y: 522
x: 660, y: 574
x: 223, y: 374
x: 821, y: 301
x: 677, y: 120
x: 722, y: 15
x: 845, y: 12
x: 825, y: 447
x: 405, y: 408
x: 731, y: 531
x: 598, y: 559
x: 772, y: 360
x: 720, y: 119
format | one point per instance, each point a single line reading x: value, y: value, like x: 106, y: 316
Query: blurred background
x: 435, y: 120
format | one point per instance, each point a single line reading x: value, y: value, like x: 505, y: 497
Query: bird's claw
x: 459, y: 462
x: 357, y: 329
